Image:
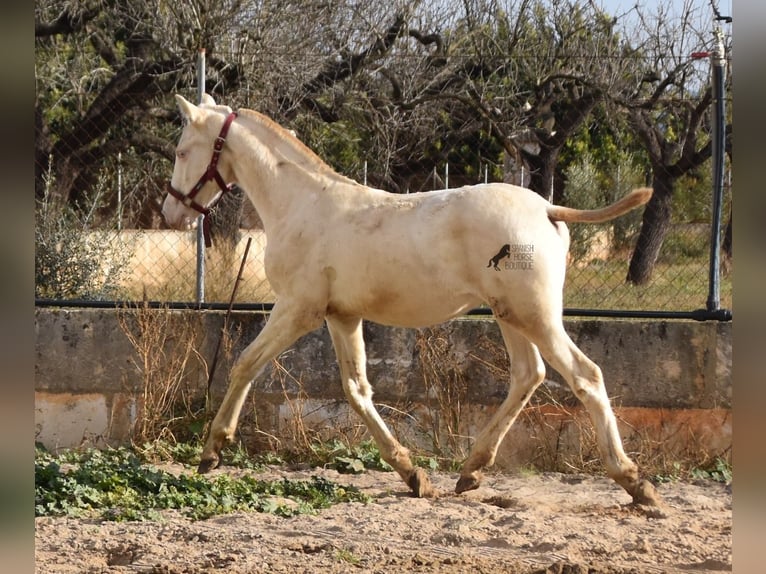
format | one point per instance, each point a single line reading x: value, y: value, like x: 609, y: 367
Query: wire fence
x: 114, y: 249
x: 162, y: 265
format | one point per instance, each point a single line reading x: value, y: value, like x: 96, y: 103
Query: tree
x: 106, y: 72
x: 402, y: 87
x: 567, y: 65
x: 668, y: 102
x: 103, y: 70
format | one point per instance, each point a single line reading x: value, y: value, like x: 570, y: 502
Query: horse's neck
x: 286, y: 146
x: 276, y: 186
x: 279, y: 174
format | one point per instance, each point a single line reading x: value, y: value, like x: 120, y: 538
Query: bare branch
x: 69, y: 21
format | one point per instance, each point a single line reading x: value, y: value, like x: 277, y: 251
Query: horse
x: 339, y: 252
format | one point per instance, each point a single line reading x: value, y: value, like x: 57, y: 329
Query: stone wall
x: 669, y: 381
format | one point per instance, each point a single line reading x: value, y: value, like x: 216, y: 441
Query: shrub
x: 72, y: 264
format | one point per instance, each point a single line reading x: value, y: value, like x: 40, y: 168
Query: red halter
x: 211, y: 174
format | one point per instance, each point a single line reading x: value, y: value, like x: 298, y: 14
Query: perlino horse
x: 340, y: 252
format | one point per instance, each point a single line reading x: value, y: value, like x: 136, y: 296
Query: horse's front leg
x: 347, y: 339
x: 527, y: 372
x: 285, y: 325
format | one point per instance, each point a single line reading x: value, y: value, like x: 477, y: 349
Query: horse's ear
x: 207, y: 100
x: 189, y: 111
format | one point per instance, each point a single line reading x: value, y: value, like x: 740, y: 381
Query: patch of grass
x: 116, y: 484
x: 348, y: 557
x: 681, y: 286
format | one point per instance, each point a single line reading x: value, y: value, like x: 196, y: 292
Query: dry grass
x: 171, y: 394
x: 445, y: 391
x: 171, y: 371
x: 163, y: 268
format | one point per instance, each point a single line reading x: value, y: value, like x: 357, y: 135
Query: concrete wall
x: 670, y: 382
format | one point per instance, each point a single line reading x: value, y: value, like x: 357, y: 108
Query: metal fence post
x: 200, y: 217
x: 718, y: 63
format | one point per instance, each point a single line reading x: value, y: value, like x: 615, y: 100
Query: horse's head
x: 197, y: 181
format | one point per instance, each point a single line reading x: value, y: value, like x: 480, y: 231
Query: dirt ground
x: 542, y: 523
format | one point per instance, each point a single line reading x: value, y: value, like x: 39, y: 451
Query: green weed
x: 348, y: 459
x: 718, y: 471
x: 347, y: 556
x: 116, y: 484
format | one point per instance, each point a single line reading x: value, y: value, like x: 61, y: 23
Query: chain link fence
x: 108, y: 241
x: 76, y: 260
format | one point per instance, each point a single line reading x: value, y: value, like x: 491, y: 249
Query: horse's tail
x: 634, y: 199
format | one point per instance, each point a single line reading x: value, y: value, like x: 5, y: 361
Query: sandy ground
x: 546, y: 523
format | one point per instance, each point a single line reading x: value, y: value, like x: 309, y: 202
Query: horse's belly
x: 405, y: 308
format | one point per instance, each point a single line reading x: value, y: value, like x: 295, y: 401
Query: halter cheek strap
x: 211, y: 174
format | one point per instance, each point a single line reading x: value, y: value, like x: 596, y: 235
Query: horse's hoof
x: 466, y: 483
x: 646, y: 494
x: 208, y: 463
x: 420, y: 484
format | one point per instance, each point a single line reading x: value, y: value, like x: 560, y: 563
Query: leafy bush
x: 583, y: 192
x: 588, y: 188
x: 719, y: 471
x: 73, y: 262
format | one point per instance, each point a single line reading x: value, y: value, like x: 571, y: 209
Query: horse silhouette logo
x: 505, y: 251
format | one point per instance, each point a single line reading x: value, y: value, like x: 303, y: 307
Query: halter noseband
x: 211, y: 174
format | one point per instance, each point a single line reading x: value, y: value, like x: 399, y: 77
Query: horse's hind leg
x: 587, y: 383
x: 285, y: 325
x: 527, y: 372
x: 347, y: 339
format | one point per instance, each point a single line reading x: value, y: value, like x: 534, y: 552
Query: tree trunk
x: 654, y: 227
x: 542, y: 173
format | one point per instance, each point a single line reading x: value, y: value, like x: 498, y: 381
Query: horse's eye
x: 181, y: 153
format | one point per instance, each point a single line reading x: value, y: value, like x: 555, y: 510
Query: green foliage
x: 117, y: 485
x: 685, y: 243
x: 163, y: 451
x: 339, y: 143
x: 593, y: 183
x: 673, y: 474
x: 718, y: 471
x: 583, y: 192
x: 432, y: 463
x: 692, y: 198
x: 348, y: 557
x: 349, y: 459
x: 72, y: 261
x: 625, y: 174
x: 76, y: 265
x: 189, y: 453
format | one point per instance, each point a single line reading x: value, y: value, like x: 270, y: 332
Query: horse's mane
x: 304, y: 155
